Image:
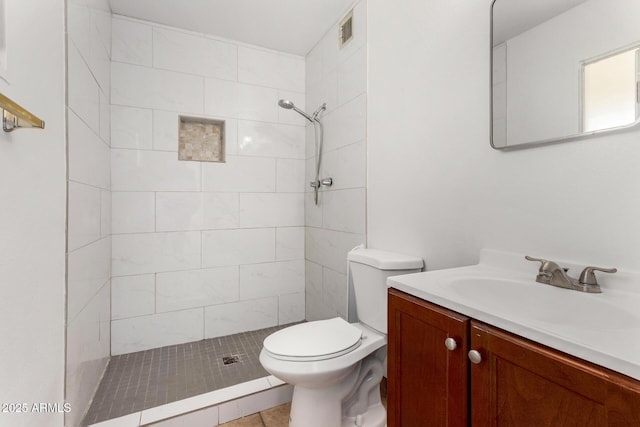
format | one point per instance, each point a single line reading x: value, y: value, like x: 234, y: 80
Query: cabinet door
x: 427, y: 382
x: 519, y: 383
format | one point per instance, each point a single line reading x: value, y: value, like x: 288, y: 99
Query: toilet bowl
x: 336, y: 366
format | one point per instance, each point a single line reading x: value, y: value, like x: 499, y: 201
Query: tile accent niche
x: 201, y: 139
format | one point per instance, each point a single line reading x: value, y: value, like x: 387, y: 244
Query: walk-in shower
x: 319, y: 137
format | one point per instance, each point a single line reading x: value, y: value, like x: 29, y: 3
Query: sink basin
x: 542, y: 303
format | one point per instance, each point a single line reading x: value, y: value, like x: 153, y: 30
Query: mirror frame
x: 549, y: 141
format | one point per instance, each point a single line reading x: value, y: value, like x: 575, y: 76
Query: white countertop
x: 501, y: 291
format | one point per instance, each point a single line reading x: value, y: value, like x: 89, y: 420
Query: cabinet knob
x: 451, y: 344
x: 475, y: 356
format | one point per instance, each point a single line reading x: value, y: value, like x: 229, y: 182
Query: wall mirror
x: 563, y: 69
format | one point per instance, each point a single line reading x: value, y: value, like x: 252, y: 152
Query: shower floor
x: 145, y: 379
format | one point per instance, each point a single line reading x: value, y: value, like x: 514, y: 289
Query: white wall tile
x: 131, y: 127
x: 232, y: 318
x: 234, y: 247
x: 105, y: 117
x: 324, y: 91
x: 290, y: 177
x: 132, y: 212
x: 220, y: 210
x: 344, y: 210
x: 330, y: 248
x: 335, y: 291
x: 132, y: 296
x: 271, y: 279
x: 271, y: 69
x: 289, y: 243
x: 135, y: 170
x: 346, y: 165
x: 105, y: 213
x: 131, y: 42
x: 254, y: 403
x: 271, y: 140
x: 176, y: 211
x: 313, y: 212
x: 291, y: 308
x: 166, y: 126
x: 88, y: 155
x: 239, y: 100
x: 240, y: 174
x: 196, y: 288
x: 156, y: 330
x: 88, y: 270
x: 346, y: 124
x: 143, y: 87
x: 155, y: 252
x: 84, y: 94
x: 194, y: 54
x: 352, y: 76
x: 202, y: 418
x: 84, y: 215
x: 271, y: 209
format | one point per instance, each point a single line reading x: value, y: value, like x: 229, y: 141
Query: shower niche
x: 201, y: 139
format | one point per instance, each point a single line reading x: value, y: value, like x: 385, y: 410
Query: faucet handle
x: 540, y: 260
x: 588, y: 276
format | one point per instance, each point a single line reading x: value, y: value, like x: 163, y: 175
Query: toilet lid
x: 317, y: 340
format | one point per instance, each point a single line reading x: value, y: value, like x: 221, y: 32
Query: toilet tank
x: 369, y: 269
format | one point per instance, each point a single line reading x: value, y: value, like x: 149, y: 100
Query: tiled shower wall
x: 203, y: 249
x: 338, y: 77
x: 89, y: 201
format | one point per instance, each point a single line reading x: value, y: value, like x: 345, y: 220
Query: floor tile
x: 276, y: 417
x: 250, y: 421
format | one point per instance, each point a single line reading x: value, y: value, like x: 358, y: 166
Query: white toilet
x: 335, y: 366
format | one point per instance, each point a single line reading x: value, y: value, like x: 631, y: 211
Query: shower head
x: 285, y: 103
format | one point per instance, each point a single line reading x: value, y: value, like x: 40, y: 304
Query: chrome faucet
x: 550, y: 273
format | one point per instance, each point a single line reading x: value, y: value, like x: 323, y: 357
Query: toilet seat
x: 313, y: 341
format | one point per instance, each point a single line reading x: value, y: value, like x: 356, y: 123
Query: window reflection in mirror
x: 556, y: 73
x: 610, y: 91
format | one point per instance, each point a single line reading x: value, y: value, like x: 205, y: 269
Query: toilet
x: 335, y: 366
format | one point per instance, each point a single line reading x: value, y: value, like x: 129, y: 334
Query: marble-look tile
x: 194, y: 54
x: 88, y: 270
x: 132, y: 212
x: 352, y: 76
x: 346, y: 165
x: 84, y: 215
x: 131, y: 42
x: 335, y: 291
x: 313, y: 212
x: 240, y: 101
x: 143, y: 87
x: 330, y: 248
x: 221, y: 210
x: 155, y: 252
x: 347, y: 124
x: 234, y: 247
x: 290, y: 176
x: 240, y: 174
x: 291, y: 308
x: 131, y: 420
x: 289, y: 243
x: 235, y: 317
x: 88, y: 155
x: 84, y: 93
x: 88, y: 345
x: 135, y: 170
x: 313, y: 279
x: 271, y: 209
x: 132, y: 296
x: 324, y: 91
x: 344, y: 210
x: 271, y: 69
x: 105, y: 117
x: 131, y: 128
x: 201, y: 418
x: 270, y: 140
x: 156, y: 330
x: 196, y: 288
x: 177, y: 211
x: 271, y: 279
x: 105, y: 213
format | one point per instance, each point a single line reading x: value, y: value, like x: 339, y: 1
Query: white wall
x: 89, y: 201
x: 203, y: 249
x: 435, y: 187
x: 32, y: 215
x: 337, y: 224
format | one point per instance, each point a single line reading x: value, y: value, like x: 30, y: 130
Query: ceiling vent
x: 346, y: 29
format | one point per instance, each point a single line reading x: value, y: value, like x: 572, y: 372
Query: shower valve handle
x: 315, y: 184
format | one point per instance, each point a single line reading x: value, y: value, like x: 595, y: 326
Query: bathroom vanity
x: 509, y: 358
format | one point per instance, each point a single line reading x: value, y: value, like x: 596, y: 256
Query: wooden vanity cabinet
x: 427, y: 384
x: 517, y: 383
